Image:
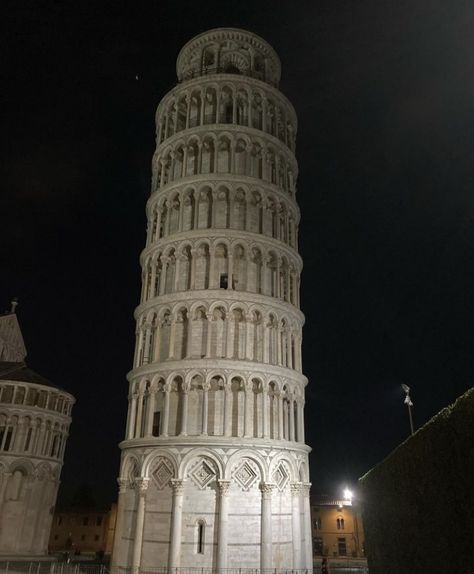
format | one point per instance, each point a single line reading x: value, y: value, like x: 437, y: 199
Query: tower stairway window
x: 200, y: 537
x: 156, y: 423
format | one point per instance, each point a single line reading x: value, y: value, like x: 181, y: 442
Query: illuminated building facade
x: 338, y: 532
x: 34, y: 424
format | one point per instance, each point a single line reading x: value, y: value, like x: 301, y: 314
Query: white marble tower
x: 214, y: 470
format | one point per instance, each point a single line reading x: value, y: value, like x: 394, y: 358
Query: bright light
x: 347, y: 494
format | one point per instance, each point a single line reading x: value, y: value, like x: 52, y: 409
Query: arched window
x: 231, y: 69
x: 340, y: 523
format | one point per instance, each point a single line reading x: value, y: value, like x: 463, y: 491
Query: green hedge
x: 418, y: 504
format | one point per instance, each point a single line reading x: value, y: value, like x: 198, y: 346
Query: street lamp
x: 347, y: 494
x: 409, y: 404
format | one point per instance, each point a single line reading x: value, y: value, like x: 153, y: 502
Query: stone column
x: 198, y: 166
x: 172, y: 338
x: 308, y: 547
x: 289, y: 359
x: 184, y: 419
x: 162, y: 173
x: 214, y: 196
x: 117, y: 543
x: 157, y: 339
x: 267, y: 340
x: 166, y: 410
x: 151, y: 412
x: 142, y: 486
x: 279, y: 345
x: 229, y: 344
x: 301, y: 421
x: 189, y: 334
x: 291, y: 434
x: 177, y: 274
x: 247, y: 410
x: 167, y: 118
x: 249, y: 327
x: 3, y: 486
x: 227, y: 409
x: 184, y: 171
x: 248, y: 198
x: 164, y: 264
x: 205, y: 407
x: 213, y: 280
x: 153, y: 292
x: 280, y: 416
x: 19, y: 439
x: 264, y: 275
x: 209, y: 317
x: 197, y: 202
x: 265, y: 411
x: 266, y: 525
x: 296, y: 524
x: 194, y: 255
x: 202, y: 95
x: 138, y: 432
x: 39, y: 438
x: 133, y: 411
x: 224, y: 486
x: 176, y: 519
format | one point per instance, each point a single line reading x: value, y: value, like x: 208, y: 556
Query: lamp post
x: 409, y: 404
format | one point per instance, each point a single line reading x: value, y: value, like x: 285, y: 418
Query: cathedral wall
x: 28, y: 495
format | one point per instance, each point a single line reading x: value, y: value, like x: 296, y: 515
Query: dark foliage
x: 417, y: 504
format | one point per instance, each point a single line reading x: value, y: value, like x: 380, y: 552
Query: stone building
x: 214, y: 469
x: 83, y: 530
x: 34, y: 422
x: 338, y: 532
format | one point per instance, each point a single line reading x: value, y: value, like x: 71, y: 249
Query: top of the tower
x: 229, y: 51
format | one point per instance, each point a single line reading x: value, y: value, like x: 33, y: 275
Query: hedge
x: 418, y: 504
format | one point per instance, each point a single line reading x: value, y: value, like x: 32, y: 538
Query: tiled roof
x: 10, y: 371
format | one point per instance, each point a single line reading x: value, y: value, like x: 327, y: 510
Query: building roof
x: 322, y: 500
x: 16, y: 371
x: 13, y: 353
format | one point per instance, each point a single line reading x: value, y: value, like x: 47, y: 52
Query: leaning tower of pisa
x: 214, y: 469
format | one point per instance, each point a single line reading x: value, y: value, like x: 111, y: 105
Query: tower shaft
x: 214, y: 469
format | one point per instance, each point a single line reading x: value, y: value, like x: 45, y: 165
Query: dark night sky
x: 384, y: 93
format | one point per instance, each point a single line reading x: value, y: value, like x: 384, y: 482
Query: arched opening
x: 231, y: 68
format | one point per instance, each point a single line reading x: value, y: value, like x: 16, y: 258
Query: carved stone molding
x: 178, y: 486
x: 141, y: 484
x: 267, y: 489
x: 224, y: 486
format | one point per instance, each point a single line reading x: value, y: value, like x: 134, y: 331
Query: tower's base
x: 228, y: 506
